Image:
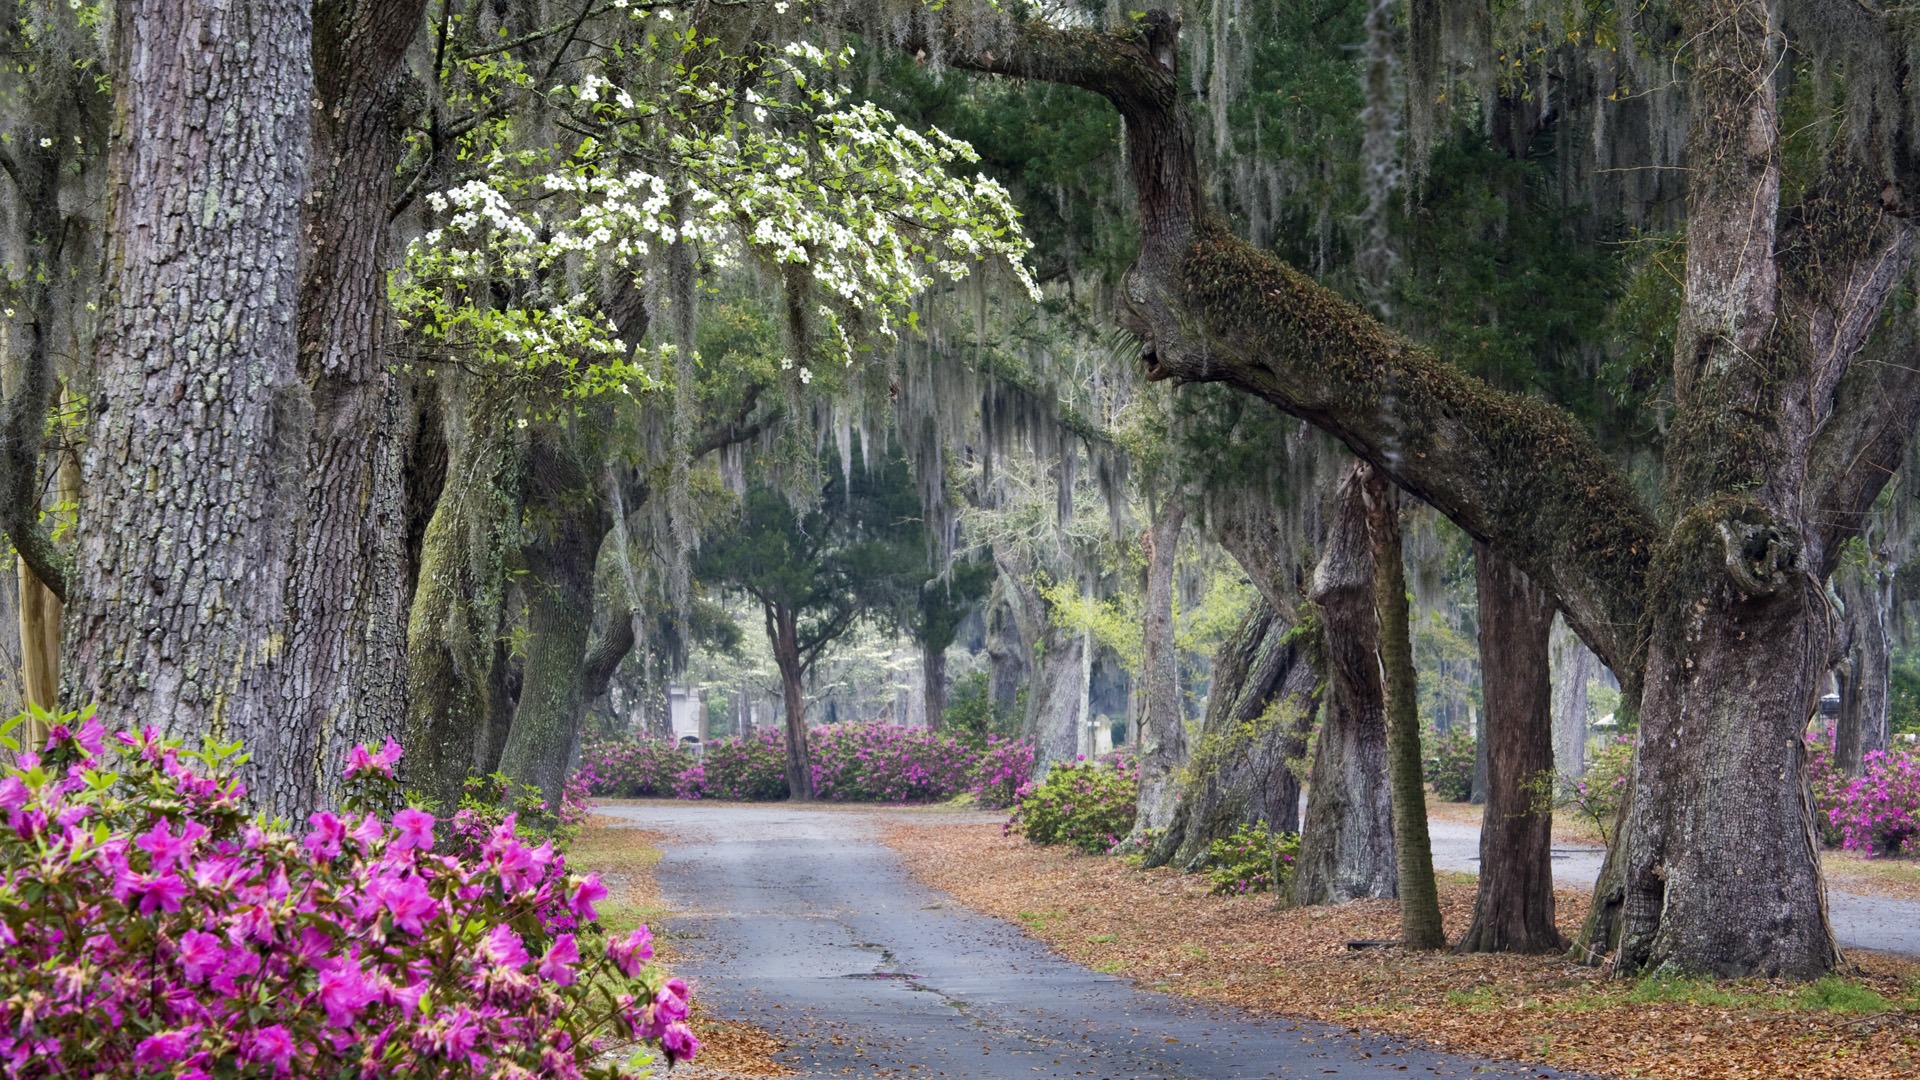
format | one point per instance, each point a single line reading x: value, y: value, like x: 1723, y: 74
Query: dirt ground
x: 1162, y: 930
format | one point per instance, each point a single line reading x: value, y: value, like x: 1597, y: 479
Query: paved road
x: 1860, y: 922
x: 801, y: 921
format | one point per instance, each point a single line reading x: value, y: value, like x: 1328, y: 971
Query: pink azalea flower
x: 270, y: 1044
x: 557, y: 965
x: 324, y: 841
x: 631, y: 953
x: 164, y: 1048
x: 416, y: 830
x: 679, y: 1041
x: 583, y: 895
x: 407, y: 899
x: 200, y: 955
x: 503, y: 946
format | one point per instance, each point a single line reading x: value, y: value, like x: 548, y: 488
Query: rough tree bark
x: 1346, y: 843
x: 197, y: 440
x: 1513, y: 904
x: 1420, y: 926
x: 1163, y: 734
x: 1780, y: 444
x: 933, y: 677
x: 1265, y: 692
x: 343, y: 674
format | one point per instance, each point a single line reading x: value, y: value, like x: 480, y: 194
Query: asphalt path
x: 1859, y: 922
x: 799, y: 920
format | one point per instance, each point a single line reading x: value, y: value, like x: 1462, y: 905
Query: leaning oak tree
x: 1713, y: 611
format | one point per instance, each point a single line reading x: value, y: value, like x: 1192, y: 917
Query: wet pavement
x: 799, y: 920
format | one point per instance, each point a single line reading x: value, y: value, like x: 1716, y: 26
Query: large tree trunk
x: 560, y: 555
x: 1573, y: 666
x: 1266, y: 690
x: 933, y: 676
x: 1866, y: 593
x: 1513, y: 906
x: 1420, y: 926
x: 1163, y: 734
x: 198, y: 436
x: 784, y: 633
x: 453, y: 633
x: 1346, y: 843
x: 344, y: 669
x: 1054, y: 698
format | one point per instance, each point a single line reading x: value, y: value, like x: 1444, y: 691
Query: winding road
x: 799, y: 920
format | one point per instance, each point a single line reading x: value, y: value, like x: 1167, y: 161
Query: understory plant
x: 750, y: 768
x: 635, y: 768
x: 1251, y: 859
x: 151, y: 925
x: 1594, y: 796
x: 1003, y: 765
x: 1449, y: 764
x: 1087, y: 805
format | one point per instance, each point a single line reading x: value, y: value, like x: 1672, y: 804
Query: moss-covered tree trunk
x: 454, y: 697
x: 1513, y: 905
x: 933, y: 676
x: 1420, y: 926
x: 568, y: 521
x: 1163, y: 732
x: 199, y: 419
x: 1346, y: 842
x: 1246, y: 768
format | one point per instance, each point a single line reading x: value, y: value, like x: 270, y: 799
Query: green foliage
x: 1087, y: 805
x: 1449, y: 764
x: 492, y: 798
x: 1903, y: 708
x: 971, y: 716
x: 1253, y: 859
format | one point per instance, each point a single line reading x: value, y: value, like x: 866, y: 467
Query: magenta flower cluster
x: 149, y: 924
x: 851, y: 763
x: 884, y: 763
x: 1879, y: 812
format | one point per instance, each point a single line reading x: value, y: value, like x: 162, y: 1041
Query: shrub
x: 1879, y: 813
x: 1449, y: 764
x: 883, y: 763
x: 1595, y: 795
x: 150, y: 924
x: 751, y: 768
x: 999, y: 771
x: 1088, y: 805
x: 1253, y: 859
x: 635, y: 768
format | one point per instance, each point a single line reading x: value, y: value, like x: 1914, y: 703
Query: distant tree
x: 816, y: 570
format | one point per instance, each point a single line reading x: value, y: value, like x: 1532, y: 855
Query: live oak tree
x: 1778, y: 445
x: 817, y: 569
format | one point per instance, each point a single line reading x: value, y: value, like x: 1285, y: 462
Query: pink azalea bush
x: 150, y: 925
x: 634, y: 768
x: 1879, y: 812
x: 1089, y: 805
x: 1003, y: 765
x: 851, y: 763
x: 884, y: 763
